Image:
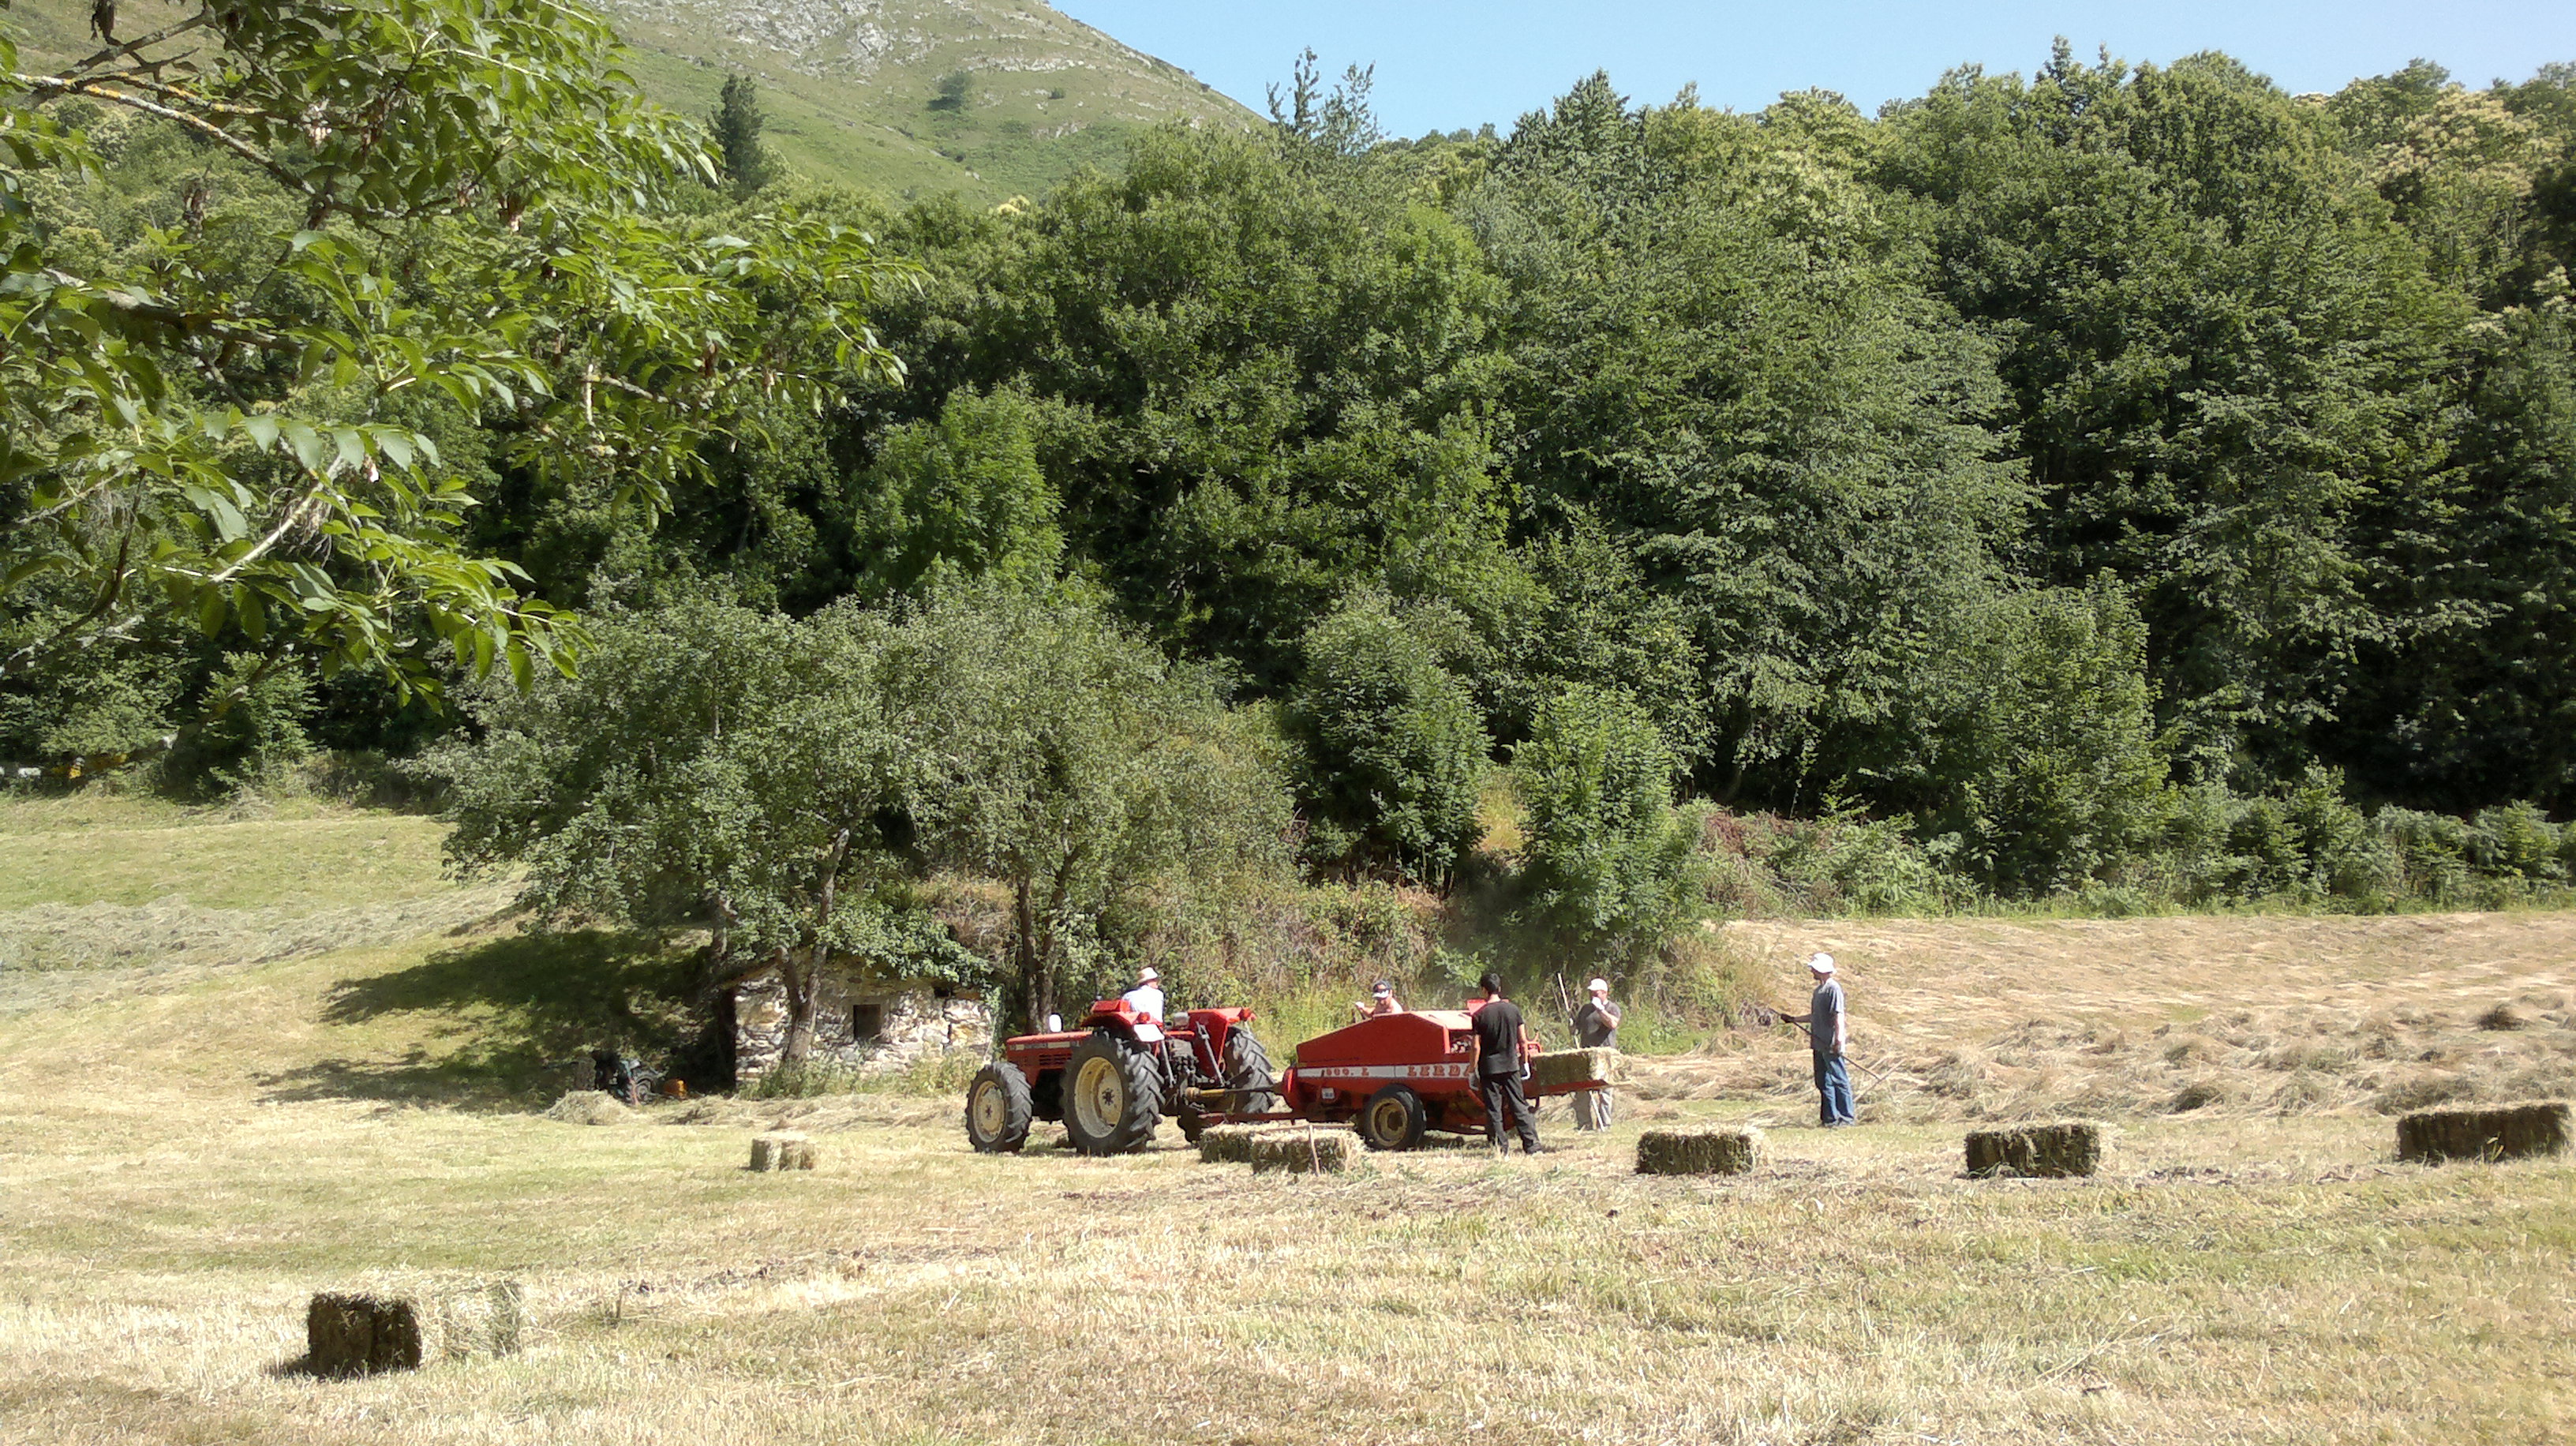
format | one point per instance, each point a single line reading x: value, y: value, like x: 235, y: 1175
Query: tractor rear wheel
x: 1113, y: 1096
x: 998, y: 1109
x: 1247, y: 1067
x: 1393, y: 1119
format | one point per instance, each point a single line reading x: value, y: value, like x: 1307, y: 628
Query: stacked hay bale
x: 2505, y: 1133
x: 1561, y: 1067
x: 2060, y: 1149
x: 1302, y: 1149
x: 1227, y: 1144
x: 401, y: 1323
x: 1704, y: 1151
x: 782, y: 1150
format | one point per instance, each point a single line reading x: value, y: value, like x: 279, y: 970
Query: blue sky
x: 1443, y: 64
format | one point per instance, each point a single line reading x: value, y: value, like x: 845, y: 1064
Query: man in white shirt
x: 1147, y: 997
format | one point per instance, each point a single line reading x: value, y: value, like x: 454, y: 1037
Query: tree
x: 1091, y: 775
x: 1606, y: 872
x: 1394, y: 754
x: 2043, y: 767
x: 746, y: 163
x: 784, y: 780
x: 231, y: 429
x: 959, y: 497
x: 711, y: 764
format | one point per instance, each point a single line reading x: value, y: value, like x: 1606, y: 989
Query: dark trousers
x: 1502, y: 1094
x: 1833, y: 1090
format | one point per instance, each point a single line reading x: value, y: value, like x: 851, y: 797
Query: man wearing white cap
x: 1147, y: 997
x: 1827, y: 1037
x: 1596, y: 1026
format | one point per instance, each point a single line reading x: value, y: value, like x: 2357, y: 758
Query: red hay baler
x: 1395, y: 1077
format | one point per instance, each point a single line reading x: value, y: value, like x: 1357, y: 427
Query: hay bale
x: 1227, y: 1144
x: 590, y: 1107
x: 404, y: 1323
x: 1302, y: 1149
x: 782, y: 1150
x: 2509, y: 1132
x: 1703, y: 1151
x: 2068, y: 1147
x: 1561, y: 1067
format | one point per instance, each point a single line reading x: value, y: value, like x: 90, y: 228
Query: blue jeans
x: 1833, y: 1088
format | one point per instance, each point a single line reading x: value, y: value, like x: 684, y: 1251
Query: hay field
x: 180, y: 1167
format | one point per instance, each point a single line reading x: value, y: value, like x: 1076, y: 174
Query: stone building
x: 859, y: 1022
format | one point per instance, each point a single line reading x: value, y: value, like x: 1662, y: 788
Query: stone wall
x: 913, y: 1021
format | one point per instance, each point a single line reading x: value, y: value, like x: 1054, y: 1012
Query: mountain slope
x: 987, y: 98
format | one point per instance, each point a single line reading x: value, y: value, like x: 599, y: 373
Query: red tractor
x: 1111, y: 1081
x: 1394, y: 1077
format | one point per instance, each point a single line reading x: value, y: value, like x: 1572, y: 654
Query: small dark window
x: 867, y: 1022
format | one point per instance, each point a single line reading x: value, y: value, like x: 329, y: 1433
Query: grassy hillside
x: 853, y: 88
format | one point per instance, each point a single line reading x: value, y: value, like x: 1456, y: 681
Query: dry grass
x: 1975, y: 1020
x: 185, y: 1167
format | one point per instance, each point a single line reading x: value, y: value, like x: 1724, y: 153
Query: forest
x: 2112, y: 487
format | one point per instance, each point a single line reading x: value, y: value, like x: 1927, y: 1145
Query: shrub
x: 1607, y: 869
x: 1395, y: 754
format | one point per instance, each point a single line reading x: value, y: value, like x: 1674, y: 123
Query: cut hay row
x: 404, y: 1323
x: 2057, y: 1150
x: 1559, y: 1068
x: 589, y: 1107
x: 1710, y: 1151
x: 2511, y: 1132
x: 782, y: 1150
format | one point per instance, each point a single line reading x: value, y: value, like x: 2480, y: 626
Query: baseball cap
x: 1383, y: 988
x: 1822, y: 963
x: 1598, y: 986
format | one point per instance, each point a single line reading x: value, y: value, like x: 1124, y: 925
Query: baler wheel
x: 1247, y: 1067
x: 998, y: 1109
x: 1393, y: 1119
x: 1113, y: 1096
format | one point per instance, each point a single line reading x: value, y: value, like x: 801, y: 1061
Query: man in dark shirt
x: 1596, y: 1026
x: 1498, y: 1033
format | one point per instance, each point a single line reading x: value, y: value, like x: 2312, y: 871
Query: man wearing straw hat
x: 1827, y: 1038
x: 1596, y: 1026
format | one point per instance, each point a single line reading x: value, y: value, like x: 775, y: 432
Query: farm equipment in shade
x: 1394, y: 1077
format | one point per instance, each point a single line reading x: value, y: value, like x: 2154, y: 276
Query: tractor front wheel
x: 1113, y: 1096
x: 1393, y: 1119
x: 998, y: 1109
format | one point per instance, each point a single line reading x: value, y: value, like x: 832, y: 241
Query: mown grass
x: 184, y: 1165
x: 91, y: 847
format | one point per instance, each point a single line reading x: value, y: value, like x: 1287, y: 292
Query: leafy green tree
x: 959, y: 497
x: 1720, y: 353
x: 1394, y: 753
x: 2219, y: 347
x: 2044, y: 767
x: 224, y: 430
x: 745, y: 162
x: 1097, y: 780
x: 712, y: 763
x: 1607, y: 871
x: 1261, y: 392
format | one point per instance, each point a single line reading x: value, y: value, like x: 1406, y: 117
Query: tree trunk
x: 804, y: 982
x: 1035, y: 977
x: 798, y: 982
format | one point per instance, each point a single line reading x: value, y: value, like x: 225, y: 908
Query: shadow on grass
x: 507, y: 1017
